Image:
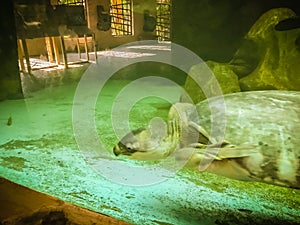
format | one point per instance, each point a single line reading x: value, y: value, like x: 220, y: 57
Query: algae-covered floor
x: 38, y: 150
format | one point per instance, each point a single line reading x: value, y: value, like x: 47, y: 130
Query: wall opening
x: 163, y: 20
x: 121, y: 17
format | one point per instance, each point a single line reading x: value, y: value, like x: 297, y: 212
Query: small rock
x: 9, y: 121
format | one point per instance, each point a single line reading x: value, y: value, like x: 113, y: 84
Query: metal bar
x: 63, y: 50
x: 49, y: 49
x: 95, y: 47
x: 21, y: 55
x: 26, y: 54
x: 56, y: 50
x: 78, y: 48
x: 86, y: 48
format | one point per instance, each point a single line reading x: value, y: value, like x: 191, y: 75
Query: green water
x: 39, y: 151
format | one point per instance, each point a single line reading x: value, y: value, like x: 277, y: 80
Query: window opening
x: 163, y: 20
x: 121, y: 17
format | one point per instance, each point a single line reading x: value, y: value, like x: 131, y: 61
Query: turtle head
x: 131, y: 143
x: 145, y: 143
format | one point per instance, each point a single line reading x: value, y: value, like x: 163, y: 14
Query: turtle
x: 260, y: 140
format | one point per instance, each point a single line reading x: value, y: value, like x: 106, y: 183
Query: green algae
x: 47, y: 140
x: 13, y: 162
x: 268, y: 193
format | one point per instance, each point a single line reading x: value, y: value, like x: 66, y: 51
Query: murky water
x: 39, y: 150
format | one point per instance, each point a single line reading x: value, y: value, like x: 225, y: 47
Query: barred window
x: 163, y: 20
x: 121, y: 17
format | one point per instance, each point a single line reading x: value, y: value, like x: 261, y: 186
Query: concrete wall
x: 10, y: 82
x: 104, y: 39
x: 212, y: 29
x: 36, y: 46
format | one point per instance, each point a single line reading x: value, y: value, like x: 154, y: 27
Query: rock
x: 269, y: 58
x: 227, y: 79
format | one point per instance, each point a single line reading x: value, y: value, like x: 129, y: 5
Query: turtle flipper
x: 202, y: 132
x: 223, y: 150
x: 201, y: 156
x: 232, y: 151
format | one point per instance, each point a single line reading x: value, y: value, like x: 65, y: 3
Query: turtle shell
x: 268, y: 119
